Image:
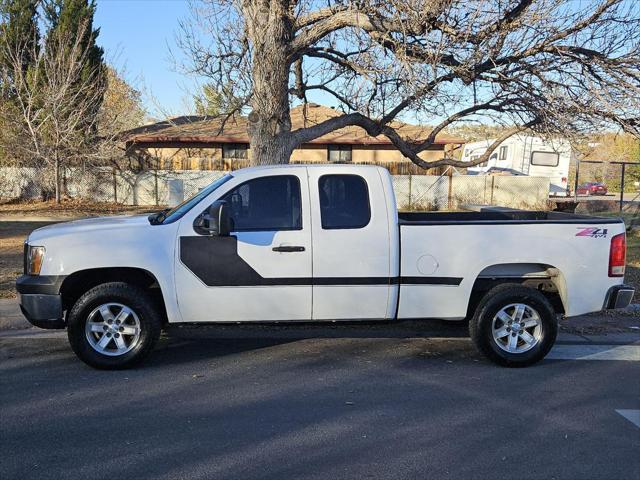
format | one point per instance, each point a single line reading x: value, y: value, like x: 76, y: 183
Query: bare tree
x: 50, y: 119
x: 546, y: 65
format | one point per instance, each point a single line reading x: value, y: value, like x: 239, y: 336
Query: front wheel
x: 113, y: 326
x: 514, y: 326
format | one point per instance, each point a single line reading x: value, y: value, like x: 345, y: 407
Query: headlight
x: 34, y: 258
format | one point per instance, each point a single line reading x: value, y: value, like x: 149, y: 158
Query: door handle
x: 287, y: 248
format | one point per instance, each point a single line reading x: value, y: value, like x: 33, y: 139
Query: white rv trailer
x: 525, y: 155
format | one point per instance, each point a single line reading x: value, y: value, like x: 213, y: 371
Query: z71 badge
x: 592, y: 232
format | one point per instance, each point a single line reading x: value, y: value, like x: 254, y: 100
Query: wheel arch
x: 544, y: 277
x: 81, y: 281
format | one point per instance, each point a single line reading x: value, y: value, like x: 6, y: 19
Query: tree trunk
x: 270, y: 32
x: 56, y: 176
x: 267, y: 148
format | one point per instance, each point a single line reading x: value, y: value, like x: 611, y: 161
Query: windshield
x: 177, y: 212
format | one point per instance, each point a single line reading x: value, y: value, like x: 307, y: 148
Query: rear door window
x: 344, y: 202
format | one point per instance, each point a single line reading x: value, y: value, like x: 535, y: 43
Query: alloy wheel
x: 113, y: 329
x: 516, y: 328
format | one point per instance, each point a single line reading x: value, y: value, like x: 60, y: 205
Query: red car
x: 592, y: 188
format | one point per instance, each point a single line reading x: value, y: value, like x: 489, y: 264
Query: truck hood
x: 95, y: 224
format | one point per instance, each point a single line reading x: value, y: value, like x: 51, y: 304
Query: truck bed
x: 443, y: 253
x: 499, y: 217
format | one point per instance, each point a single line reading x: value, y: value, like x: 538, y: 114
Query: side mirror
x: 214, y: 221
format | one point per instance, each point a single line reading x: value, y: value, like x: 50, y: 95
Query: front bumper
x: 40, y: 301
x: 618, y: 296
x: 43, y: 311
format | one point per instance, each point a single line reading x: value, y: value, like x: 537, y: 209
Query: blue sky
x: 137, y: 35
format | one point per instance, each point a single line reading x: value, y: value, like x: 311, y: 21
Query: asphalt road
x: 318, y: 408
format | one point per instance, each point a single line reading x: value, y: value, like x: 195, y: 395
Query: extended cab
x: 318, y: 243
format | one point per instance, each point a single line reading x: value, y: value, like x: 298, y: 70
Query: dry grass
x: 12, y: 236
x: 633, y: 261
x: 633, y: 248
x: 68, y: 208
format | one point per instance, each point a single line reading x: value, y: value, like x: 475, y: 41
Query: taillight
x: 564, y: 180
x: 617, y: 255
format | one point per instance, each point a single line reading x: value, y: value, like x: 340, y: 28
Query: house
x: 222, y: 143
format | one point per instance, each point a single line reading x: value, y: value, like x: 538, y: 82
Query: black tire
x: 481, y: 325
x: 136, y: 299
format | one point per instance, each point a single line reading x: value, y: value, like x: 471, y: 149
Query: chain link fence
x: 166, y: 187
x: 426, y: 192
x: 104, y: 184
x: 600, y: 187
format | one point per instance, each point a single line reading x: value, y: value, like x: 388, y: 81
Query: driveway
x: 328, y: 408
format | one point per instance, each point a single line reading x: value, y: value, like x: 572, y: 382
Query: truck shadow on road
x: 189, y: 343
x: 182, y: 343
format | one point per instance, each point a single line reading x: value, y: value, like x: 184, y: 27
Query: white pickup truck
x: 319, y: 243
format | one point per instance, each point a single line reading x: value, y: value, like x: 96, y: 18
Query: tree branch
x: 410, y: 152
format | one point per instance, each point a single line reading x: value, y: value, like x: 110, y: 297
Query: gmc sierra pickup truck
x: 319, y: 243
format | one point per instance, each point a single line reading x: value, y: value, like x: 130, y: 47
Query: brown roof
x: 195, y: 129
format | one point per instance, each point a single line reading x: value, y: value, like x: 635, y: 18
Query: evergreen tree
x: 18, y: 34
x: 208, y: 101
x: 212, y: 100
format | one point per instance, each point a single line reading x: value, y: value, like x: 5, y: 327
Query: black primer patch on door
x: 216, y: 262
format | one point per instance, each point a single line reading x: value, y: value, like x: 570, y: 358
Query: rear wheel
x: 114, y: 325
x: 514, y: 326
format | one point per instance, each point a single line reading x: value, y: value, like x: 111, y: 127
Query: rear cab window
x: 344, y: 202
